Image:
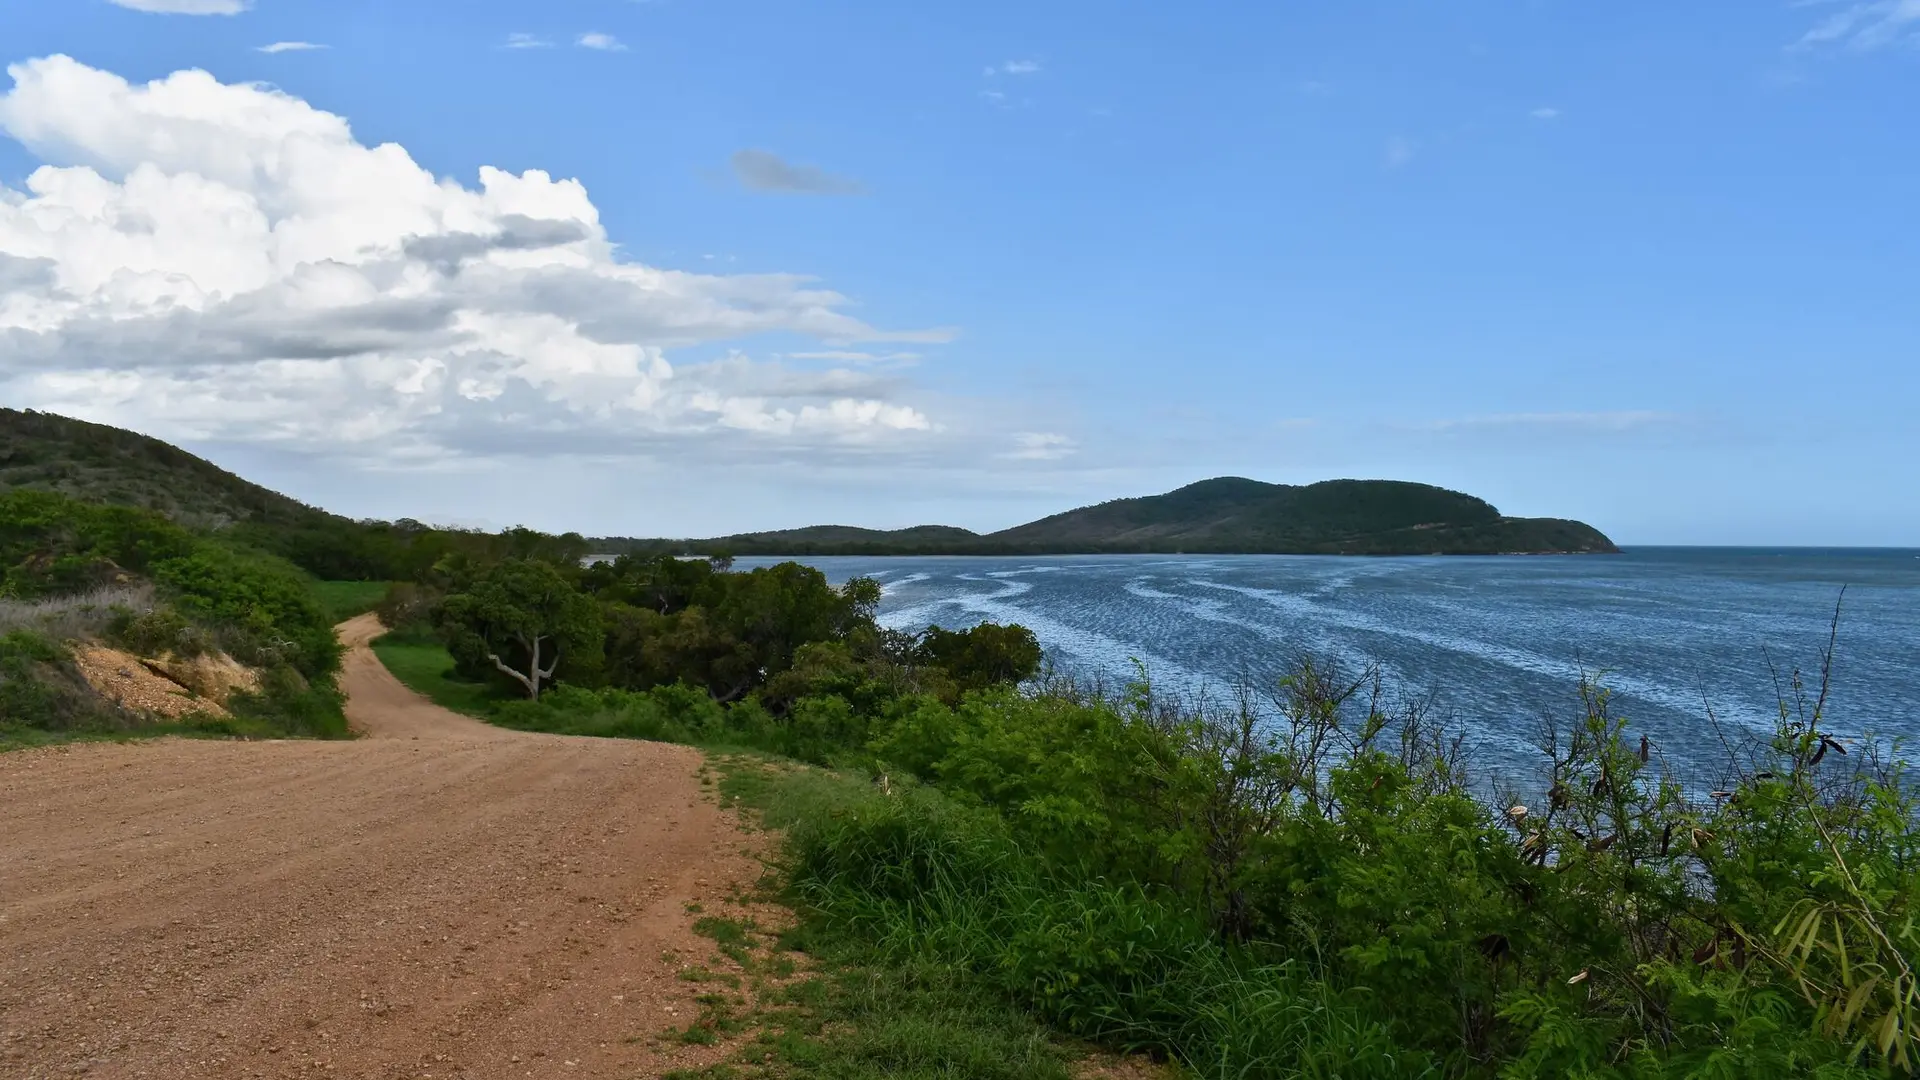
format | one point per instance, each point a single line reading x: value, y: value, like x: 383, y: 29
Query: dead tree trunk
x: 534, y: 677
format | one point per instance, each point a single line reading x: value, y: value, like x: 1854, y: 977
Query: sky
x: 690, y: 267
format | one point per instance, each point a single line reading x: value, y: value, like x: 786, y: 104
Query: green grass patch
x: 426, y: 667
x: 830, y: 1004
x: 345, y: 599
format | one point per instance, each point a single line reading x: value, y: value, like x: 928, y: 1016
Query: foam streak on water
x: 1500, y: 641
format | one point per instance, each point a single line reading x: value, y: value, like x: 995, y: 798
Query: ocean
x: 1497, y: 645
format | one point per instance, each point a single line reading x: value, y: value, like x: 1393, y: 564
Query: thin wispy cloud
x: 1012, y: 67
x: 763, y: 170
x: 186, y: 7
x: 1399, y: 151
x: 847, y: 356
x: 1040, y: 446
x: 289, y: 46
x: 527, y: 41
x: 1605, y: 421
x: 594, y: 39
x: 1545, y: 112
x: 1865, y: 26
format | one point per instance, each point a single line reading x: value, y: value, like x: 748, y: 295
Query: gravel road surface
x: 439, y: 898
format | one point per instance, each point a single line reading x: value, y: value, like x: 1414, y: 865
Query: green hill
x: 1221, y: 516
x: 100, y: 464
x: 1227, y: 515
x: 97, y: 463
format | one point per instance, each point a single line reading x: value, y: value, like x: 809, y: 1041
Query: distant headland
x: 1225, y: 516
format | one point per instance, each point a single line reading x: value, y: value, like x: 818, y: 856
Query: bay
x: 1497, y: 644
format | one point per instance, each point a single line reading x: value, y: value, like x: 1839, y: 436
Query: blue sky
x: 1649, y: 265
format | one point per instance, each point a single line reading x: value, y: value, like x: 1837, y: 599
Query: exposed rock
x: 125, y: 680
x: 214, y: 676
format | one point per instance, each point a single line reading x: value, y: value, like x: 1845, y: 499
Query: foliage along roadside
x: 78, y: 571
x: 1298, y: 887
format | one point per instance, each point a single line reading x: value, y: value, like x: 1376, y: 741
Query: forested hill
x: 100, y: 464
x: 111, y: 465
x: 1228, y: 515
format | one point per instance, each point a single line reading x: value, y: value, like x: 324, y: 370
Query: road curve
x: 438, y: 898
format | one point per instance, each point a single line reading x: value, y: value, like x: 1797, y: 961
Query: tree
x: 528, y: 611
x: 986, y: 655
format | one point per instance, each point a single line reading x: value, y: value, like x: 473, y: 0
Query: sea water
x: 1498, y: 645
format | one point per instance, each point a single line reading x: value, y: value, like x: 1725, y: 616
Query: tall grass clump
x: 85, y: 614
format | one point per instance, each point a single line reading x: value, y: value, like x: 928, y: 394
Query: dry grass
x: 77, y: 617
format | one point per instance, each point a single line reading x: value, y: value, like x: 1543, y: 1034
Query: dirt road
x: 440, y: 898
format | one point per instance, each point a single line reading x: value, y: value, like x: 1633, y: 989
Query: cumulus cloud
x: 187, y: 7
x: 760, y: 170
x: 597, y: 40
x: 225, y: 261
x: 1864, y: 26
x: 289, y: 46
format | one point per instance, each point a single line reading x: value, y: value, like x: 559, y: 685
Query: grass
x: 426, y: 668
x: 346, y: 599
x: 827, y: 1003
x: 20, y: 737
x: 82, y: 615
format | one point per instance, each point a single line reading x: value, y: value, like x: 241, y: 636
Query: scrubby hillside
x: 97, y: 463
x: 115, y: 619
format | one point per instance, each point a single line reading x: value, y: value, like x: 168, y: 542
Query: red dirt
x: 440, y: 898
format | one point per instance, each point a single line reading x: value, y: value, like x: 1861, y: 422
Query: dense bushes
x: 59, y: 554
x: 1310, y: 888
x: 775, y: 636
x: 40, y: 688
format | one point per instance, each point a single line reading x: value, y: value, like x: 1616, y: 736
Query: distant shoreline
x: 603, y: 556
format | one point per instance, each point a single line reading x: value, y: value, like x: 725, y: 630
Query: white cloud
x: 1545, y: 112
x: 527, y: 41
x: 289, y: 46
x: 1021, y: 67
x: 1866, y: 26
x: 1040, y: 446
x: 603, y: 42
x: 187, y: 7
x: 1399, y: 151
x: 219, y: 261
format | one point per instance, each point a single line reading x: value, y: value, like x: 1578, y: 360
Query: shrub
x: 262, y: 607
x: 41, y: 689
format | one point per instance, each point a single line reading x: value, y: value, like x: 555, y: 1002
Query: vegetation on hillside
x: 98, y: 464
x: 1228, y: 515
x: 77, y: 572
